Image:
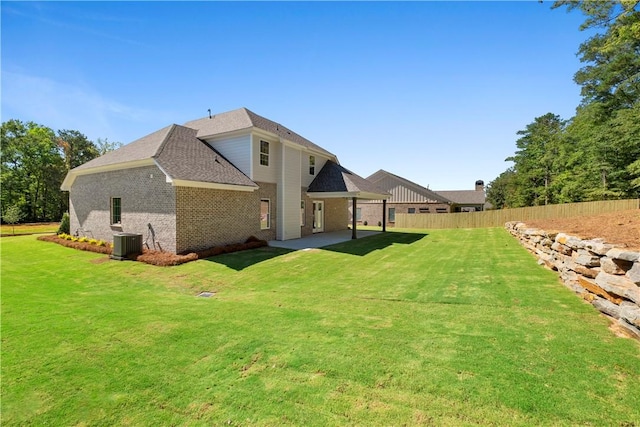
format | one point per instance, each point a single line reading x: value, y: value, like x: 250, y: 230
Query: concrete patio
x: 320, y: 240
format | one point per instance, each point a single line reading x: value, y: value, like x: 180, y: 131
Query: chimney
x: 479, y: 185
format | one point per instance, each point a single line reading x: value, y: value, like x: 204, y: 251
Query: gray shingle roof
x: 334, y: 178
x: 464, y: 197
x: 244, y: 118
x: 184, y: 157
x: 140, y: 149
x: 180, y: 154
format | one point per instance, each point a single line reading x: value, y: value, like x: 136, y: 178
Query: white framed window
x: 312, y: 165
x: 358, y: 214
x: 264, y: 153
x: 302, y: 214
x: 265, y: 214
x: 116, y: 211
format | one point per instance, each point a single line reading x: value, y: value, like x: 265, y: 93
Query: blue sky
x: 432, y: 91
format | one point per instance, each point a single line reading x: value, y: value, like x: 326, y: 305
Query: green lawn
x: 18, y: 229
x: 445, y: 327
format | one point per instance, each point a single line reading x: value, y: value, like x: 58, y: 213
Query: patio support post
x: 353, y: 218
x: 384, y: 215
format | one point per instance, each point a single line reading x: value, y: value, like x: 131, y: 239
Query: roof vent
x: 209, y: 113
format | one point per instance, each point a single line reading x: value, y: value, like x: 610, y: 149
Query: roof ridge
x: 164, y: 141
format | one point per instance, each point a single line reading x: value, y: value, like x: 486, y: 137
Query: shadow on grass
x: 243, y: 259
x: 366, y: 245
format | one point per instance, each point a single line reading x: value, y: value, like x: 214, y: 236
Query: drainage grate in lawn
x: 206, y: 294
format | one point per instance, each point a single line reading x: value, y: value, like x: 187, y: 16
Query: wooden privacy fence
x: 497, y: 218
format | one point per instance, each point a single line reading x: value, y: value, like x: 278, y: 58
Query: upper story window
x: 411, y: 210
x: 264, y: 153
x: 312, y: 165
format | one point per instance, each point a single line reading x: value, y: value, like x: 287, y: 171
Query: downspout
x: 384, y: 215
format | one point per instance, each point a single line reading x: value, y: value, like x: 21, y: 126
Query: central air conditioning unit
x: 126, y: 246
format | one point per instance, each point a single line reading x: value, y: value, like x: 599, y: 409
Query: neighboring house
x: 411, y: 198
x: 467, y: 200
x: 214, y: 181
x: 406, y: 197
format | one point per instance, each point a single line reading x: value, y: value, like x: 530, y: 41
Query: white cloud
x: 60, y: 105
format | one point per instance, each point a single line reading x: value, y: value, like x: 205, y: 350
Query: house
x: 406, y: 197
x: 467, y: 200
x: 412, y: 198
x: 214, y: 181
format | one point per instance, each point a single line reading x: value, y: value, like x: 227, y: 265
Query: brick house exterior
x: 214, y: 181
x: 406, y: 197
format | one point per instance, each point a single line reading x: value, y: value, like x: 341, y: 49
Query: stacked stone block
x: 606, y: 276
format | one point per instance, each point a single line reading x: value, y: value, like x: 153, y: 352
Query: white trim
x: 71, y: 176
x: 212, y: 185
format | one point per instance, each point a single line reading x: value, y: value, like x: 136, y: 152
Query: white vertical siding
x: 289, y: 194
x: 304, y: 168
x: 237, y: 150
x: 266, y: 173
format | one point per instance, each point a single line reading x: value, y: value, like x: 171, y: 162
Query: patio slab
x: 320, y: 240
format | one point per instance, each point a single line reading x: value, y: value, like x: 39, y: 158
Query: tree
x: 611, y: 76
x: 12, y: 215
x: 104, y: 146
x: 502, y: 190
x: 536, y: 161
x: 76, y: 148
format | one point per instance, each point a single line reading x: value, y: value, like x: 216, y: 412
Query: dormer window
x: 312, y: 165
x: 264, y: 153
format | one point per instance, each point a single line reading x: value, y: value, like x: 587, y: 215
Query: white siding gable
x: 304, y: 167
x: 236, y: 149
x: 269, y: 173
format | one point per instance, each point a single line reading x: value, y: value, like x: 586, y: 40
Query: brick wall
x: 208, y: 217
x: 372, y: 212
x: 336, y: 214
x: 146, y: 199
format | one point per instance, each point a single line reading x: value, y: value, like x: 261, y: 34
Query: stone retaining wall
x: 606, y: 276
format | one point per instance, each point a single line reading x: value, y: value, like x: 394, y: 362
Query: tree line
x: 35, y: 161
x: 594, y: 155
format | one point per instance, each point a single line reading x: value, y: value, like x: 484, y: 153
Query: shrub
x: 364, y: 223
x: 65, y: 224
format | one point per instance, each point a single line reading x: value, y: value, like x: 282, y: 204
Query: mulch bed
x: 162, y: 259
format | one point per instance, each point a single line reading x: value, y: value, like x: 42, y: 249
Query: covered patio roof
x: 335, y: 181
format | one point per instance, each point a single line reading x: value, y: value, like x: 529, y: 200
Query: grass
x: 453, y: 327
x: 21, y: 229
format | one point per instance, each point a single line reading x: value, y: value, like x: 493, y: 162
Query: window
x: 358, y: 214
x: 424, y: 210
x: 116, y: 210
x: 392, y: 215
x: 264, y: 153
x: 302, y: 221
x: 411, y: 210
x: 312, y: 165
x: 441, y: 210
x: 265, y: 214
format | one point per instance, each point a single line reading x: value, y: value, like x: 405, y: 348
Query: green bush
x: 65, y: 224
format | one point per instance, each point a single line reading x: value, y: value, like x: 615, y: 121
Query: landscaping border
x: 606, y: 276
x: 161, y: 259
